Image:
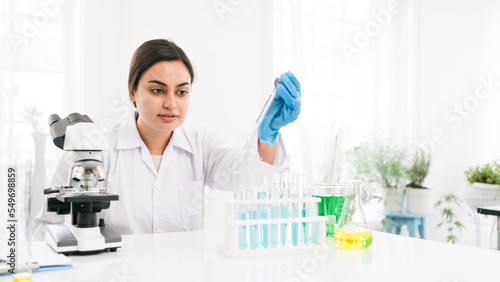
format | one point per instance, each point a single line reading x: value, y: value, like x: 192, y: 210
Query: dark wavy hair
x: 151, y: 52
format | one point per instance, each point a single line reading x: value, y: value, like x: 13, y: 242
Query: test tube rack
x: 232, y: 241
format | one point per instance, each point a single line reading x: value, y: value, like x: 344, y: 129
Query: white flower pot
x: 479, y: 195
x: 394, y: 199
x: 420, y: 200
x: 478, y: 185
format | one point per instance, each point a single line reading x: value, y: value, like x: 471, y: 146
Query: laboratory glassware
x: 240, y: 214
x: 334, y: 197
x: 294, y: 188
x: 285, y: 208
x: 274, y: 215
x: 285, y: 195
x: 252, y: 215
x: 306, y: 212
x: 353, y: 231
x: 262, y: 214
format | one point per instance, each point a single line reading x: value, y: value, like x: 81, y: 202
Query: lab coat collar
x: 128, y: 136
x: 179, y: 140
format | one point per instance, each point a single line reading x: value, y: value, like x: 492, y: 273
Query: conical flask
x: 353, y: 232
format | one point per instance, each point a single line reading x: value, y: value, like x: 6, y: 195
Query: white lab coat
x: 170, y: 199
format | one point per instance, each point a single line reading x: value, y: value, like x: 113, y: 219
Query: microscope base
x: 67, y: 239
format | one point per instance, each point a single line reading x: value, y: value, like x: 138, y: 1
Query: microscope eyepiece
x: 74, y: 118
x: 58, y: 126
x: 54, y: 118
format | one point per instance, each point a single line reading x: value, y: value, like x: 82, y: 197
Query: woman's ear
x: 132, y: 99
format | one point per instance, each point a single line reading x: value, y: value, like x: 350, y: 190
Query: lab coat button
x: 158, y: 231
x: 157, y: 185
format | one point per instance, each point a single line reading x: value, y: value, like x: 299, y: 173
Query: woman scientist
x: 159, y: 168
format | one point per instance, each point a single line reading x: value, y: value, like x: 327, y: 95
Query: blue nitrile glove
x: 284, y: 109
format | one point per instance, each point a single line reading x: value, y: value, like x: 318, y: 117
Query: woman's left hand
x: 284, y: 109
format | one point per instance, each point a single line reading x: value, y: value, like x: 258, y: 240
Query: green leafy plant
x: 381, y: 163
x: 389, y: 223
x: 359, y: 157
x: 388, y: 161
x: 378, y: 164
x: 487, y: 173
x: 449, y: 219
x: 418, y: 169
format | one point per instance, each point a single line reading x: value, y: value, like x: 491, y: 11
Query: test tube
x: 314, y: 225
x: 274, y: 215
x: 306, y: 212
x: 295, y: 208
x: 240, y: 214
x: 285, y: 208
x: 285, y: 195
x: 254, y: 229
x: 262, y: 215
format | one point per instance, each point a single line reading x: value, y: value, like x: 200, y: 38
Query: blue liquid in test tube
x: 274, y: 215
x: 240, y: 214
x: 254, y: 229
x: 285, y: 195
x: 262, y: 215
x: 294, y: 189
x: 295, y: 226
x: 306, y: 212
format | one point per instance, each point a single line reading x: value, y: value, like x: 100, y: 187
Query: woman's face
x: 162, y: 97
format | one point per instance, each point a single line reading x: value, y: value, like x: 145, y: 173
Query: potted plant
x: 483, y: 187
x: 419, y: 198
x: 360, y: 160
x: 484, y: 176
x: 383, y: 164
x: 388, y: 162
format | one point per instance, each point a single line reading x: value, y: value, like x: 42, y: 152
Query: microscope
x: 85, y: 141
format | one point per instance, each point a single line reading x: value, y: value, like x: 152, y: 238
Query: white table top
x: 192, y: 256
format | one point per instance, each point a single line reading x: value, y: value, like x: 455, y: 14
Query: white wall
x: 232, y: 57
x: 459, y: 42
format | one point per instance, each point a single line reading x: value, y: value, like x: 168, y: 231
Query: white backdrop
x: 459, y: 47
x: 231, y: 52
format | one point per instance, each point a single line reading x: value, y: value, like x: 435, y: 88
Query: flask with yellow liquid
x: 353, y: 232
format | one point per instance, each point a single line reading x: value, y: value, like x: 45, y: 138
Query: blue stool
x: 413, y: 221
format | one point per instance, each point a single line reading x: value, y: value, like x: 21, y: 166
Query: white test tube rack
x: 231, y: 247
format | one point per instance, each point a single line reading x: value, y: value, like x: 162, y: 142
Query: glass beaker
x: 334, y: 197
x: 353, y: 232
